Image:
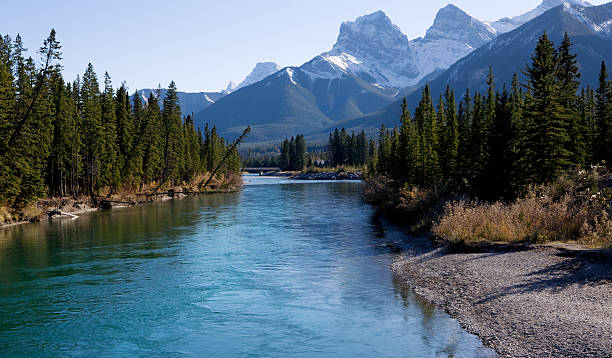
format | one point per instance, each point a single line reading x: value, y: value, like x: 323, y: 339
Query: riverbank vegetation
x: 526, y: 152
x: 72, y: 139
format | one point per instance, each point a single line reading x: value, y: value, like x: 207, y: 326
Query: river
x: 281, y: 269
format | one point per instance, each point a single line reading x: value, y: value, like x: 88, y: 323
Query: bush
x: 576, y: 207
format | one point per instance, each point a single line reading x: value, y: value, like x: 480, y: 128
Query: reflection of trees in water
x: 146, y: 229
x: 430, y: 320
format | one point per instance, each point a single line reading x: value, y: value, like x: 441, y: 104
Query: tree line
x: 59, y: 138
x: 293, y: 153
x: 349, y: 150
x: 498, y: 142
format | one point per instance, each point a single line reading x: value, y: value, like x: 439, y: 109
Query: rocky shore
x: 530, y: 301
x: 328, y: 176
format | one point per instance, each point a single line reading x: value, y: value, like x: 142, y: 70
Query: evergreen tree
x: 109, y: 155
x: 546, y: 134
x: 173, y: 134
x: 93, y: 130
x: 451, y: 148
x: 603, y: 96
x: 568, y: 77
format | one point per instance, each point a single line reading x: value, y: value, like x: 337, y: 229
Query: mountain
x: 590, y: 29
x: 508, y: 24
x: 190, y: 102
x: 375, y: 50
x: 231, y: 87
x: 261, y: 71
x: 453, y: 35
x: 366, y: 69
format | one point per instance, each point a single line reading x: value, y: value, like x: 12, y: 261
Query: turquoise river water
x: 281, y: 269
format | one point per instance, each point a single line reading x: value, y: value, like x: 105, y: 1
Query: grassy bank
x: 574, y: 208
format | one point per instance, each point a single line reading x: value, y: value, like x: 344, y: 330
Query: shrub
x: 576, y: 207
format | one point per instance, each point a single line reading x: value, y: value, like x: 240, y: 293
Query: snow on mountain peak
x: 452, y: 23
x: 368, y: 33
x: 372, y: 48
x: 231, y: 87
x: 508, y: 24
x: 599, y: 19
x: 261, y: 71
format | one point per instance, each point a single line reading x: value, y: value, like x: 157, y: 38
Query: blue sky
x: 201, y: 45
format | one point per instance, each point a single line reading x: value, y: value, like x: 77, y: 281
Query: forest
x: 60, y: 138
x: 529, y: 163
x: 498, y: 143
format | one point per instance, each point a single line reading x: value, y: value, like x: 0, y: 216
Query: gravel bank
x: 545, y: 301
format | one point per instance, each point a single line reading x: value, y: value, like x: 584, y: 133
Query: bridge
x: 261, y: 170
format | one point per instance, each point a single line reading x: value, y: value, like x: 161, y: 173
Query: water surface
x: 279, y: 270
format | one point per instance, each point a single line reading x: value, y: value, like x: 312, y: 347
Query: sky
x: 202, y: 45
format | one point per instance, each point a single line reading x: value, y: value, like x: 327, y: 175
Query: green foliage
x: 71, y: 139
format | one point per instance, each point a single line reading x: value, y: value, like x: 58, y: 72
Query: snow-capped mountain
x: 508, y: 24
x: 231, y: 87
x: 261, y: 71
x: 371, y: 48
x: 375, y: 50
x: 453, y: 35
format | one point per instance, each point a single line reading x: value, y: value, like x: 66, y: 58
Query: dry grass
x: 5, y: 215
x: 412, y: 206
x: 574, y: 208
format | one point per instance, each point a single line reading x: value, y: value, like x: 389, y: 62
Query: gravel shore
x: 543, y: 301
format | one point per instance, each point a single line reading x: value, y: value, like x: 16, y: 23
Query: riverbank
x: 522, y: 301
x: 62, y: 207
x: 317, y: 175
x: 340, y: 175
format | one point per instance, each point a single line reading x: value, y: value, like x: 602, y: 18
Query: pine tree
x: 125, y: 130
x: 173, y: 134
x: 568, y: 77
x: 9, y: 179
x: 153, y: 155
x: 547, y: 138
x: 93, y: 130
x: 284, y: 155
x: 603, y: 96
x: 451, y: 134
x: 465, y: 123
x: 109, y: 154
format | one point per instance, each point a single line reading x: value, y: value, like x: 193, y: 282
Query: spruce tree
x: 93, y: 130
x: 451, y: 148
x: 568, y: 77
x: 546, y: 134
x: 109, y: 150
x: 603, y: 96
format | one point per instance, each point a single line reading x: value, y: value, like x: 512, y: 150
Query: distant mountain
x: 590, y: 29
x: 190, y: 102
x: 261, y: 71
x: 508, y: 24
